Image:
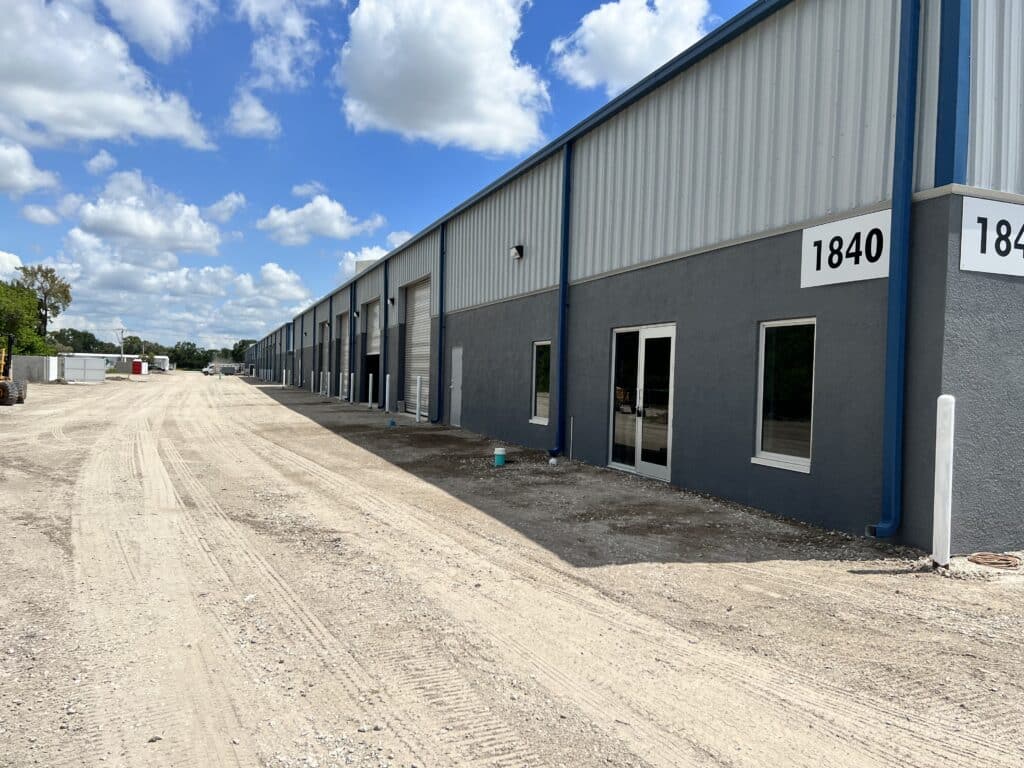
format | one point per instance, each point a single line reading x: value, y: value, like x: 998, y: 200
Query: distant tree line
x: 30, y: 302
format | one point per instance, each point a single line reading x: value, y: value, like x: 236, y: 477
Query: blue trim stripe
x: 563, y: 305
x: 952, y: 129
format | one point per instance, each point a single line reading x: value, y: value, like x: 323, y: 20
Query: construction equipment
x: 11, y: 391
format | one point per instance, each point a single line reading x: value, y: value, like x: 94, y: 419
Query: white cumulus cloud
x: 395, y: 239
x: 226, y: 207
x: 442, y: 71
x: 309, y: 189
x: 349, y: 259
x: 285, y: 47
x: 321, y: 217
x: 18, y: 172
x: 162, y: 27
x: 101, y: 162
x: 9, y: 264
x: 40, y: 214
x: 63, y: 75
x: 250, y: 119
x: 620, y: 42
x: 142, y: 218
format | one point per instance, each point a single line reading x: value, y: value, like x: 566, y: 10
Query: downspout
x: 899, y: 261
x: 563, y: 305
x: 297, y: 355
x: 312, y: 339
x: 352, y: 339
x: 381, y: 389
x: 439, y: 416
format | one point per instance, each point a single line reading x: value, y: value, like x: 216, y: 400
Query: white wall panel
x: 995, y: 157
x: 527, y: 212
x: 791, y: 121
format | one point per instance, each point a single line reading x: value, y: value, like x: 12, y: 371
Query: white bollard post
x: 341, y: 386
x: 284, y: 379
x: 942, y: 517
x: 419, y: 396
x: 352, y: 387
x: 387, y: 393
x: 369, y: 394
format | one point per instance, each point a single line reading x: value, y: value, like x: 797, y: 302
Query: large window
x: 541, y: 382
x: 785, y: 394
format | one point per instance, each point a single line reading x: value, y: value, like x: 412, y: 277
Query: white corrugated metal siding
x: 417, y: 345
x: 525, y: 212
x: 371, y: 325
x: 370, y: 285
x: 792, y: 121
x: 995, y: 158
x: 410, y: 264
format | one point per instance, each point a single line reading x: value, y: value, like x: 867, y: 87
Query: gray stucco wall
x: 717, y: 301
x: 983, y: 367
x: 933, y: 230
x: 497, y: 365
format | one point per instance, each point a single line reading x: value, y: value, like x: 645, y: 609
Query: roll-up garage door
x: 343, y: 363
x: 417, y: 345
x: 373, y: 328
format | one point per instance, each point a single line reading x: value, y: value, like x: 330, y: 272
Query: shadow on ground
x: 588, y: 516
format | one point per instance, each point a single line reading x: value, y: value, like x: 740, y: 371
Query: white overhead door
x: 417, y: 345
x: 343, y: 362
x: 373, y: 328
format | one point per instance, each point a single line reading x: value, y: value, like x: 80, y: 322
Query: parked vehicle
x: 11, y: 391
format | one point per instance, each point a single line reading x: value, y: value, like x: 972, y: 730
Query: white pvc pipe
x: 387, y: 393
x: 942, y: 517
x: 419, y: 396
x: 284, y: 379
x: 369, y: 394
x: 341, y: 385
x: 352, y: 387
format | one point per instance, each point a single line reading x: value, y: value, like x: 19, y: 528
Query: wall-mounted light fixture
x: 391, y: 300
x: 516, y: 252
x: 357, y: 313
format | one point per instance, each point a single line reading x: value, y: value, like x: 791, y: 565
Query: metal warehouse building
x: 751, y: 275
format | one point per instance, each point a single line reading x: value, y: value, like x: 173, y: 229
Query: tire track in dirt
x: 810, y: 696
x: 133, y: 594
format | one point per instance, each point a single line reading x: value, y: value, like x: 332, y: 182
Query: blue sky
x: 203, y: 169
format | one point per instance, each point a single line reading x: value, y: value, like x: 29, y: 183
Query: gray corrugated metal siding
x: 369, y: 285
x: 996, y: 155
x: 411, y: 265
x: 790, y: 122
x: 526, y: 212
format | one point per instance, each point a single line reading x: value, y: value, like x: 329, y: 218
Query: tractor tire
x: 8, y: 393
x: 22, y: 390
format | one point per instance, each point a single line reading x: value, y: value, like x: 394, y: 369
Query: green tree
x: 53, y: 292
x: 238, y: 351
x: 73, y: 340
x: 185, y: 354
x: 18, y: 318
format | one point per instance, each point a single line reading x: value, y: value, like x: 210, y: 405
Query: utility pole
x: 120, y: 337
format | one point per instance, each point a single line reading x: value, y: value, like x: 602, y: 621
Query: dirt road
x: 202, y: 572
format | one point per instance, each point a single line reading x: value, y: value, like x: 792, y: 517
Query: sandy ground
x: 203, y: 572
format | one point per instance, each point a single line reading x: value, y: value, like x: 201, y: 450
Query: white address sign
x: 846, y: 251
x: 992, y: 237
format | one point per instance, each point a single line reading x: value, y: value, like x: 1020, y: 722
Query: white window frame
x: 781, y: 460
x: 534, y: 418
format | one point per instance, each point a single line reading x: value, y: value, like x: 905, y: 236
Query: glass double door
x: 641, y: 424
